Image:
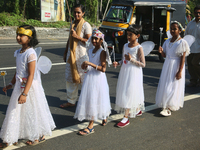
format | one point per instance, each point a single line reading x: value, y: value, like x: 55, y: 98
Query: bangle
x: 24, y: 94
x: 96, y: 67
x: 10, y: 84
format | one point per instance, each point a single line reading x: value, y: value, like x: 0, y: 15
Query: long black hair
x: 33, y: 39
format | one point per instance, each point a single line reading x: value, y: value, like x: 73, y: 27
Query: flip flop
x: 41, y: 140
x: 87, y: 133
x: 104, y: 122
x: 65, y: 105
x: 4, y: 145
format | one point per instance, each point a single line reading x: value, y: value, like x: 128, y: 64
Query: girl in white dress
x: 28, y: 115
x: 170, y: 92
x: 94, y: 101
x: 130, y: 92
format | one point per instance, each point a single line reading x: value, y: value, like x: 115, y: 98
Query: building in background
x: 52, y: 10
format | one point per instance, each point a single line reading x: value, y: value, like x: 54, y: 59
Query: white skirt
x: 130, y: 92
x: 94, y: 101
x: 30, y: 120
x: 170, y: 92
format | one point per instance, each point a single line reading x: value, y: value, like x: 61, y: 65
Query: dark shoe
x: 65, y: 105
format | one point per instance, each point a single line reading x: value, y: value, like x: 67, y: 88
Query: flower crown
x: 98, y: 34
x: 178, y: 24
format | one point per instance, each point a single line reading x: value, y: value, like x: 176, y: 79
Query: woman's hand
x: 115, y: 64
x: 22, y: 99
x: 160, y: 50
x: 6, y: 88
x: 178, y: 75
x: 127, y: 56
x: 74, y: 33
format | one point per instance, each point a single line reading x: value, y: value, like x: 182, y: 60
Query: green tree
x: 17, y: 8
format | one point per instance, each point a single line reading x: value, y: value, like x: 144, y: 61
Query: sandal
x: 86, y: 132
x: 65, y: 105
x: 104, y: 122
x: 31, y: 143
x: 3, y: 145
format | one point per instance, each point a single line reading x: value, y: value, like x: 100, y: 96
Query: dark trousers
x: 193, y: 61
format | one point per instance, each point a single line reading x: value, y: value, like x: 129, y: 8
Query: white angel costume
x: 170, y: 91
x: 130, y: 92
x: 94, y: 101
x: 32, y: 119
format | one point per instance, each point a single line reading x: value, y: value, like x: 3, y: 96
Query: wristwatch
x: 24, y: 94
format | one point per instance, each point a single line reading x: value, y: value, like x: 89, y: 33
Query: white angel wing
x: 38, y: 51
x: 44, y: 64
x: 190, y: 39
x: 169, y: 34
x: 147, y: 46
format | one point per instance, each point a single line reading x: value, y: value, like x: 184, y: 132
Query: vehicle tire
x: 162, y: 59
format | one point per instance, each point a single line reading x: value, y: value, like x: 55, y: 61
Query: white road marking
x: 55, y: 43
x: 54, y: 64
x: 75, y: 128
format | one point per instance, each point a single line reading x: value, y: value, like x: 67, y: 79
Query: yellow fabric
x: 72, y: 58
x: 27, y: 32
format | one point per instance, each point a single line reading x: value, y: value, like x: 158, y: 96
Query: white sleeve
x: 141, y: 61
x: 183, y: 47
x: 87, y: 28
x: 32, y: 57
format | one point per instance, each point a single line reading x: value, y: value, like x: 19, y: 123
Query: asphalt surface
x: 181, y: 131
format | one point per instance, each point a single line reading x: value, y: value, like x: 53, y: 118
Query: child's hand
x: 160, y: 50
x: 115, y: 64
x: 22, y: 99
x: 6, y: 88
x: 127, y: 56
x: 178, y: 75
x: 73, y: 33
x: 87, y: 63
x: 83, y: 66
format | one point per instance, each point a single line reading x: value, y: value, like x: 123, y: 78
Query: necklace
x: 21, y: 51
x: 172, y: 43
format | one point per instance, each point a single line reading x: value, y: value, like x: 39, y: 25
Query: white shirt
x: 193, y: 28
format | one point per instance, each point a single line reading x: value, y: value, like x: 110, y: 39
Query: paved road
x: 181, y: 131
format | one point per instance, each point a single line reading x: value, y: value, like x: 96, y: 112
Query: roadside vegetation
x: 19, y: 12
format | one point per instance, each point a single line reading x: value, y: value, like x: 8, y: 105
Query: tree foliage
x: 30, y: 9
x: 191, y: 5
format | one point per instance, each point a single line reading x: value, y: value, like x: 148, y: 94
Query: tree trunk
x: 106, y: 9
x: 24, y: 10
x: 100, y: 11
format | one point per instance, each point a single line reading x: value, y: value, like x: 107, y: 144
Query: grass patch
x: 9, y: 19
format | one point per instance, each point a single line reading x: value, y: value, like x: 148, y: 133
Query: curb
x: 42, y: 33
